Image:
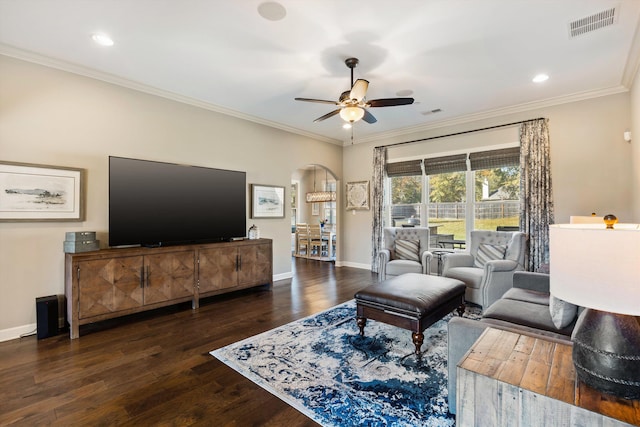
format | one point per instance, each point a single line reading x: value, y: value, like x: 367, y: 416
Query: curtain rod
x: 460, y: 133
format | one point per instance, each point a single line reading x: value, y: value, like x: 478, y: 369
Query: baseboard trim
x: 282, y: 276
x: 355, y: 265
x: 14, y: 333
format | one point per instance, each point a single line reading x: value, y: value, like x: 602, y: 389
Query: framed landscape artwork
x: 31, y: 192
x: 267, y: 201
x: 358, y: 195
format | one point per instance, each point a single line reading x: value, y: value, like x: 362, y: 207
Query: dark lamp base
x: 606, y: 352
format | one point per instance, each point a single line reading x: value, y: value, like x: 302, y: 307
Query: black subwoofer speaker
x: 47, y: 316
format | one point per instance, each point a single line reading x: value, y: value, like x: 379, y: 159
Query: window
x: 496, y: 187
x: 456, y: 194
x: 405, y: 193
x: 329, y: 208
x: 497, y: 198
x: 447, y: 207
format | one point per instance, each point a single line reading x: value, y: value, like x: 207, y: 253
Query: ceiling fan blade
x: 326, y: 116
x: 321, y: 101
x: 389, y: 102
x: 368, y: 117
x: 359, y: 89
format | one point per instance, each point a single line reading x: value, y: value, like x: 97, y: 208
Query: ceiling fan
x: 353, y: 103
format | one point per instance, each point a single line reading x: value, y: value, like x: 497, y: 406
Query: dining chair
x: 302, y: 239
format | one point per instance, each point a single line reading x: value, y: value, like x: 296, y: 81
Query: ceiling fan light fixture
x: 351, y: 114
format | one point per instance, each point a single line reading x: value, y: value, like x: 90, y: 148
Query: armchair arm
x: 383, y: 258
x: 532, y: 281
x: 426, y: 262
x: 497, y: 279
x: 501, y: 265
x: 456, y: 259
x: 461, y: 336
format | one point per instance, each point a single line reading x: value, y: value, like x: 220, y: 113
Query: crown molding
x: 46, y: 61
x: 520, y: 108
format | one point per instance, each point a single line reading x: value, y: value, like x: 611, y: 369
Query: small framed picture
x: 267, y: 201
x: 31, y: 192
x: 315, y: 208
x: 358, y: 195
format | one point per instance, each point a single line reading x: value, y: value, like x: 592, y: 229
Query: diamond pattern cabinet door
x: 109, y: 285
x: 255, y: 265
x: 217, y: 269
x: 169, y: 276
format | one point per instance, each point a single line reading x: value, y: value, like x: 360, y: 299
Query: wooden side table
x: 509, y: 379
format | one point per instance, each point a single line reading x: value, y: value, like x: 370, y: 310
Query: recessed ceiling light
x: 272, y: 11
x: 346, y: 126
x: 102, y: 39
x: 540, y: 78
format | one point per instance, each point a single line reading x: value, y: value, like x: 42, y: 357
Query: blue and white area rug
x: 321, y: 366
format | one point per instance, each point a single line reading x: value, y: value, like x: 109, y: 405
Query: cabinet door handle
x: 142, y: 276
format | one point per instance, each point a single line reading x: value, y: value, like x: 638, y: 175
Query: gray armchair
x: 390, y: 260
x: 487, y: 272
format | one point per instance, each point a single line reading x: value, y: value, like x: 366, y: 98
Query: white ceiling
x: 469, y: 58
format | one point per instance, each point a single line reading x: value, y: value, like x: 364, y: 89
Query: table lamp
x: 599, y: 268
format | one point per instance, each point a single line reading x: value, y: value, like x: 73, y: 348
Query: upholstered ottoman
x: 410, y: 301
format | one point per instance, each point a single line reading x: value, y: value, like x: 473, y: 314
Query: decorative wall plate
x: 358, y: 195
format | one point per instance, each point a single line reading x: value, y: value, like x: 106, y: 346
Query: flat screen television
x: 157, y: 204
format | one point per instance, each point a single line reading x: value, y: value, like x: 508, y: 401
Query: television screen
x: 156, y: 204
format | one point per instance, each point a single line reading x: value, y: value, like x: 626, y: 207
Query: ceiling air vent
x: 593, y: 22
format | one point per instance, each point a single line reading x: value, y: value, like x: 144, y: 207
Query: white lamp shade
x: 351, y: 114
x: 597, y: 268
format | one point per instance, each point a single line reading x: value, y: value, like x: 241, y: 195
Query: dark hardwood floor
x: 155, y: 368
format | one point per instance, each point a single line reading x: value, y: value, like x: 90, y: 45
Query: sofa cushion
x: 527, y: 295
x: 472, y: 276
x: 397, y: 267
x: 562, y: 312
x: 525, y: 313
x: 408, y: 249
x: 487, y: 252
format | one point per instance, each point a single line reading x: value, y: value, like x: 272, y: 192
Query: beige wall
x: 57, y: 118
x: 590, y: 161
x: 635, y: 147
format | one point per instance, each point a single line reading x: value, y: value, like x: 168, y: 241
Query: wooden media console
x: 110, y: 283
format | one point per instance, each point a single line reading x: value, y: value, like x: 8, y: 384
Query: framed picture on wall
x: 267, y: 201
x: 315, y: 208
x: 31, y: 192
x: 358, y: 195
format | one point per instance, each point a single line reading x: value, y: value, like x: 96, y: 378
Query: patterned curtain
x: 536, y: 201
x: 377, y: 203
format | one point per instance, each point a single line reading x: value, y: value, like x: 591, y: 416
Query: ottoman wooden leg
x: 460, y: 309
x: 361, y: 321
x: 418, y: 339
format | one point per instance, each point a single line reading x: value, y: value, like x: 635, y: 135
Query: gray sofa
x: 524, y: 309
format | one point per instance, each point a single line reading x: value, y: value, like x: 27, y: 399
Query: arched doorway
x: 307, y: 215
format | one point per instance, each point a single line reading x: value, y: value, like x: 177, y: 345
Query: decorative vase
x: 254, y: 232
